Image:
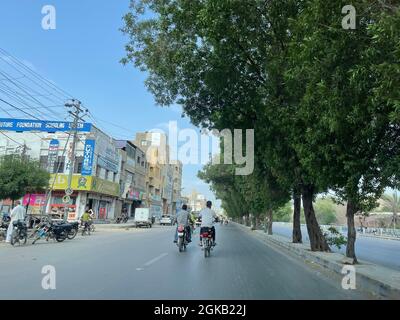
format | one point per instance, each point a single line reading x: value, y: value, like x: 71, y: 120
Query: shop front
x: 97, y: 194
x: 135, y: 197
x: 102, y: 198
x: 56, y: 206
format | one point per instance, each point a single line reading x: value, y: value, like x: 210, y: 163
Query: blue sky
x: 82, y: 57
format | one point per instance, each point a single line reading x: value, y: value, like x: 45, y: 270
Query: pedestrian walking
x: 17, y: 214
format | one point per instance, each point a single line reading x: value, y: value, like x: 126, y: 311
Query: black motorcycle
x: 5, y: 221
x: 19, y: 233
x: 51, y: 230
x: 71, y: 228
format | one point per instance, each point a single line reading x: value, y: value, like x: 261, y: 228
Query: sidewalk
x: 381, y: 281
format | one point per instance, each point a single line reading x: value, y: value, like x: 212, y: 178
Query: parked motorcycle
x: 207, y: 241
x: 70, y: 227
x: 51, y: 230
x: 5, y: 221
x: 19, y: 233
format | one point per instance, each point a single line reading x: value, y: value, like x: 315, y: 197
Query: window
x: 98, y: 169
x: 138, y: 159
x: 59, y: 165
x: 43, y: 162
x: 142, y: 164
x: 78, y: 165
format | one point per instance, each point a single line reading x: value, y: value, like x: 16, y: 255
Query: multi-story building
x: 109, y: 176
x: 177, y: 201
x: 96, y: 173
x: 197, y: 201
x: 133, y: 177
x: 141, y: 167
x: 153, y: 145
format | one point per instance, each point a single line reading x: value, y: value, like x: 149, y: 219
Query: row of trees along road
x: 323, y: 101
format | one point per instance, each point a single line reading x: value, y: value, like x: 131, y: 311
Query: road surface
x: 383, y: 252
x: 145, y: 264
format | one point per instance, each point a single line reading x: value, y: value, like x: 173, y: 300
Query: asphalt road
x: 145, y: 264
x: 380, y: 251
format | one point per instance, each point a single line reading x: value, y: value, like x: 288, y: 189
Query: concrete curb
x: 381, y: 281
x: 378, y: 237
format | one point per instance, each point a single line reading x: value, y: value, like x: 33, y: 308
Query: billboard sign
x: 52, y: 156
x: 88, y: 154
x: 21, y: 125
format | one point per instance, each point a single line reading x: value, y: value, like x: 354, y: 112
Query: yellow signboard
x: 85, y: 183
x: 78, y: 182
x: 105, y: 187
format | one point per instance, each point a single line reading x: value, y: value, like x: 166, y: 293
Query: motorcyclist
x: 208, y: 217
x: 86, y: 218
x: 183, y: 218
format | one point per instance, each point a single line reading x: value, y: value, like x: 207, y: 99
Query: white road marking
x: 149, y: 263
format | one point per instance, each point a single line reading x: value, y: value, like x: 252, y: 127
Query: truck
x: 143, y: 217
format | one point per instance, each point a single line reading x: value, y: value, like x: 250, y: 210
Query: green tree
x: 224, y: 61
x: 284, y: 214
x: 345, y: 80
x: 20, y: 176
x: 325, y: 211
x: 392, y: 203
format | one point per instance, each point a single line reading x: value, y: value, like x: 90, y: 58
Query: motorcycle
x: 5, y: 221
x: 207, y: 241
x: 182, y: 241
x: 51, y: 230
x: 87, y: 227
x: 70, y: 227
x: 19, y: 233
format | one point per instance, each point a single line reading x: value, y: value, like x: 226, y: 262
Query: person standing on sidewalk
x: 17, y: 214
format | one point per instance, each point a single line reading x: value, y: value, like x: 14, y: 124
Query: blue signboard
x: 52, y: 156
x: 20, y: 125
x: 88, y: 154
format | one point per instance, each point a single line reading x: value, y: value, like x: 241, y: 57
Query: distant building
x: 197, y: 201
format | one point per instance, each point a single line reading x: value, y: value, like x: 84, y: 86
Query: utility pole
x: 77, y: 115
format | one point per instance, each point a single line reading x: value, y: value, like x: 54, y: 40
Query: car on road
x: 166, y: 220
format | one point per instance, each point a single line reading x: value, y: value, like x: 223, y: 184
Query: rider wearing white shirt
x: 17, y: 214
x: 207, y: 220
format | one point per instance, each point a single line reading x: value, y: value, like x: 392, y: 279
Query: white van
x: 143, y: 217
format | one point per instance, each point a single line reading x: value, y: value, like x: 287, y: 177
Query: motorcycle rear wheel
x: 60, y: 239
x: 72, y: 234
x: 180, y: 244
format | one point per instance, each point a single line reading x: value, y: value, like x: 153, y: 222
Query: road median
x: 381, y: 281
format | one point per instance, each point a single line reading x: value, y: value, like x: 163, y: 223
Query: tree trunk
x: 253, y: 222
x: 351, y: 210
x: 317, y: 239
x: 248, y: 223
x: 270, y: 221
x: 297, y: 237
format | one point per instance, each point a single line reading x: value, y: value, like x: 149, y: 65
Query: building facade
x: 96, y: 173
x: 154, y: 147
x: 109, y: 176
